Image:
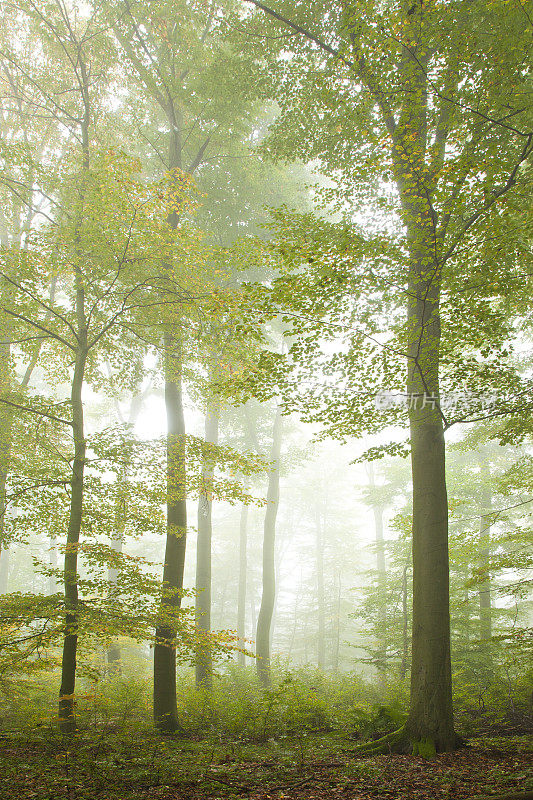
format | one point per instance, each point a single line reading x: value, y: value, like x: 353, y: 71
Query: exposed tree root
x: 401, y: 741
x: 396, y: 742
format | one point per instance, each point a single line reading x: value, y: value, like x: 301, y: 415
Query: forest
x: 266, y: 399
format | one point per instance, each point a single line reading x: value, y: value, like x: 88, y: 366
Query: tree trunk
x: 336, y: 651
x: 121, y: 516
x: 377, y: 510
x: 431, y: 711
x: 321, y: 613
x: 264, y: 620
x: 294, y: 623
x: 204, y: 666
x: 241, y: 600
x: 4, y: 570
x: 165, y: 708
x: 405, y: 626
x: 113, y: 651
x: 485, y: 604
x: 67, y: 717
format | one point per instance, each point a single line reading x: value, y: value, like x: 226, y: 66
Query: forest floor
x: 100, y: 764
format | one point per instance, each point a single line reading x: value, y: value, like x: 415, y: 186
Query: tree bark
x: 336, y: 651
x: 405, y: 626
x: 204, y: 664
x: 4, y: 570
x: 321, y: 612
x: 431, y: 711
x: 165, y: 707
x: 243, y: 566
x: 264, y: 619
x: 67, y: 705
x: 485, y: 603
x: 121, y: 517
x: 67, y: 718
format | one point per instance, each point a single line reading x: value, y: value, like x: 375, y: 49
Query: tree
x: 178, y: 66
x: 429, y: 108
x: 264, y: 619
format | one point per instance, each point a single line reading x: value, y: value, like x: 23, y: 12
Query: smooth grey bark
x: 321, y: 611
x: 67, y: 705
x: 251, y: 593
x: 264, y: 619
x: 294, y: 622
x: 377, y: 511
x: 431, y: 710
x: 165, y: 706
x: 4, y: 570
x: 405, y: 626
x: 121, y: 516
x: 204, y: 661
x: 67, y: 718
x: 485, y: 589
x: 336, y: 650
x: 241, y: 597
x: 117, y: 542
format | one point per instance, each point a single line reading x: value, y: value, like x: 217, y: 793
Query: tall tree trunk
x: 294, y: 622
x: 117, y: 541
x: 336, y: 651
x: 251, y: 593
x: 165, y: 708
x: 264, y: 619
x: 321, y: 612
x: 241, y: 598
x: 67, y: 718
x: 4, y: 570
x: 431, y: 711
x: 67, y: 704
x: 121, y: 516
x: 485, y: 604
x: 405, y: 625
x: 467, y: 613
x: 204, y: 665
x: 377, y: 510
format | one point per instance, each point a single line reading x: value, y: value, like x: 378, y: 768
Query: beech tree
x: 415, y: 97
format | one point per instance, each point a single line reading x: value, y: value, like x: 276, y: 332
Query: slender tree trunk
x: 377, y: 510
x: 121, y: 517
x: 485, y: 604
x: 294, y: 623
x: 467, y: 613
x: 336, y: 651
x: 4, y: 570
x: 67, y: 718
x: 165, y: 708
x: 241, y: 599
x: 253, y: 617
x: 204, y: 666
x: 117, y: 541
x: 264, y: 620
x: 321, y: 612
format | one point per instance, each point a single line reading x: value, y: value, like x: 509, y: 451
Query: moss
x: 425, y: 748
